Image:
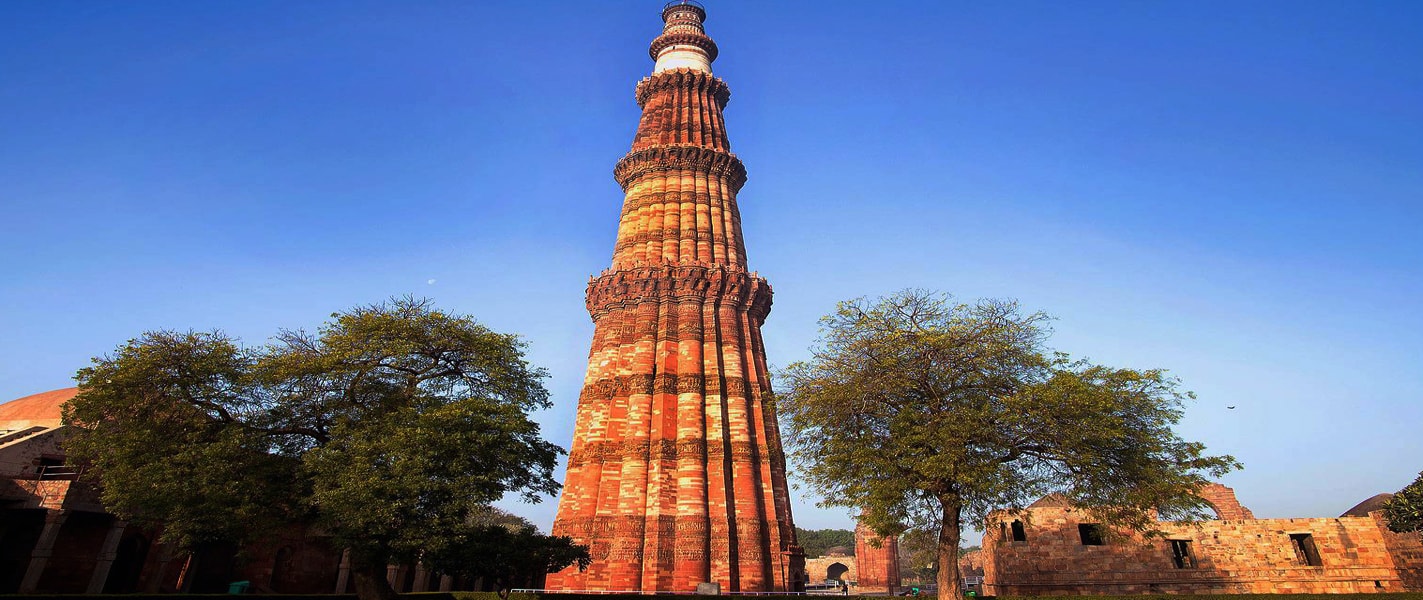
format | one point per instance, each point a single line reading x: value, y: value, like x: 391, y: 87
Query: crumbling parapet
x: 1050, y: 548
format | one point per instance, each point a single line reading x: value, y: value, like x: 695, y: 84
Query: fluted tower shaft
x: 676, y: 474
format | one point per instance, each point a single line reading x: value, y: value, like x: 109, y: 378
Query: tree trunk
x: 950, y: 581
x: 370, y: 581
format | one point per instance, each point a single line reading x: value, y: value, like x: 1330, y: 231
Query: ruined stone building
x: 873, y: 568
x: 835, y: 564
x: 878, y: 561
x: 56, y: 537
x: 676, y: 474
x: 1052, y: 549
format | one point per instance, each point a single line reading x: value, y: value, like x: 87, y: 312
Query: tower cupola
x: 684, y: 43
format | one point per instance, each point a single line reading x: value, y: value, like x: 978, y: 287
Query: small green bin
x: 238, y: 587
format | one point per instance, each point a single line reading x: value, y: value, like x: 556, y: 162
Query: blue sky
x: 1233, y: 191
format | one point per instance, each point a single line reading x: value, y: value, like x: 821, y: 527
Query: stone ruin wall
x: 872, y: 570
x: 1222, y: 499
x: 971, y: 563
x: 816, y: 568
x: 1231, y: 556
x: 1407, y: 552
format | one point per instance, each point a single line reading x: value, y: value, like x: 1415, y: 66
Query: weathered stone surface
x: 676, y: 474
x: 824, y: 568
x: 877, y: 560
x: 1236, y: 554
x: 1406, y: 549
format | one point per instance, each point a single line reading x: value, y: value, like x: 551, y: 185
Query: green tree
x: 919, y: 555
x: 817, y: 541
x: 504, y: 549
x: 1404, y: 510
x: 925, y: 412
x: 391, y: 427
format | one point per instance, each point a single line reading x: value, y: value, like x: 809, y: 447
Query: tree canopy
x: 391, y: 428
x: 506, y: 549
x: 817, y: 541
x: 924, y: 412
x: 919, y: 555
x: 1404, y: 510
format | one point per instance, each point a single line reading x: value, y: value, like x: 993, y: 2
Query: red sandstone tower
x: 877, y: 566
x: 676, y: 474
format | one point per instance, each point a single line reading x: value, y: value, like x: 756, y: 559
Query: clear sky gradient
x: 1233, y: 191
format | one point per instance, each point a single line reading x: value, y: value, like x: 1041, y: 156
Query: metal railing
x: 57, y: 473
x: 688, y: 3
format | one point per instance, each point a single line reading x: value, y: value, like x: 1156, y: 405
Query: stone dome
x: 39, y: 410
x: 837, y: 551
x: 1372, y: 504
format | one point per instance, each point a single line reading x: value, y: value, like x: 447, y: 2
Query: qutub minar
x: 676, y: 474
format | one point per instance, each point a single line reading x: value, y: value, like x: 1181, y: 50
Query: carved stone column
x: 160, y: 570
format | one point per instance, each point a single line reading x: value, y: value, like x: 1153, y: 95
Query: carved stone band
x: 623, y: 386
x: 626, y: 289
x: 656, y: 159
x: 699, y: 40
x: 687, y: 79
x: 671, y: 451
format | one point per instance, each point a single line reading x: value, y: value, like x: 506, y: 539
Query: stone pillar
x: 422, y: 578
x: 107, y: 554
x: 343, y: 572
x: 44, y: 548
x: 155, y: 580
x: 447, y: 583
x: 392, y: 575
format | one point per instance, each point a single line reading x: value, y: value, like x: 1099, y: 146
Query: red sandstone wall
x: 1406, y: 549
x: 71, y: 565
x: 294, y: 563
x: 1232, y: 556
x: 1222, y: 498
x: 971, y: 563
